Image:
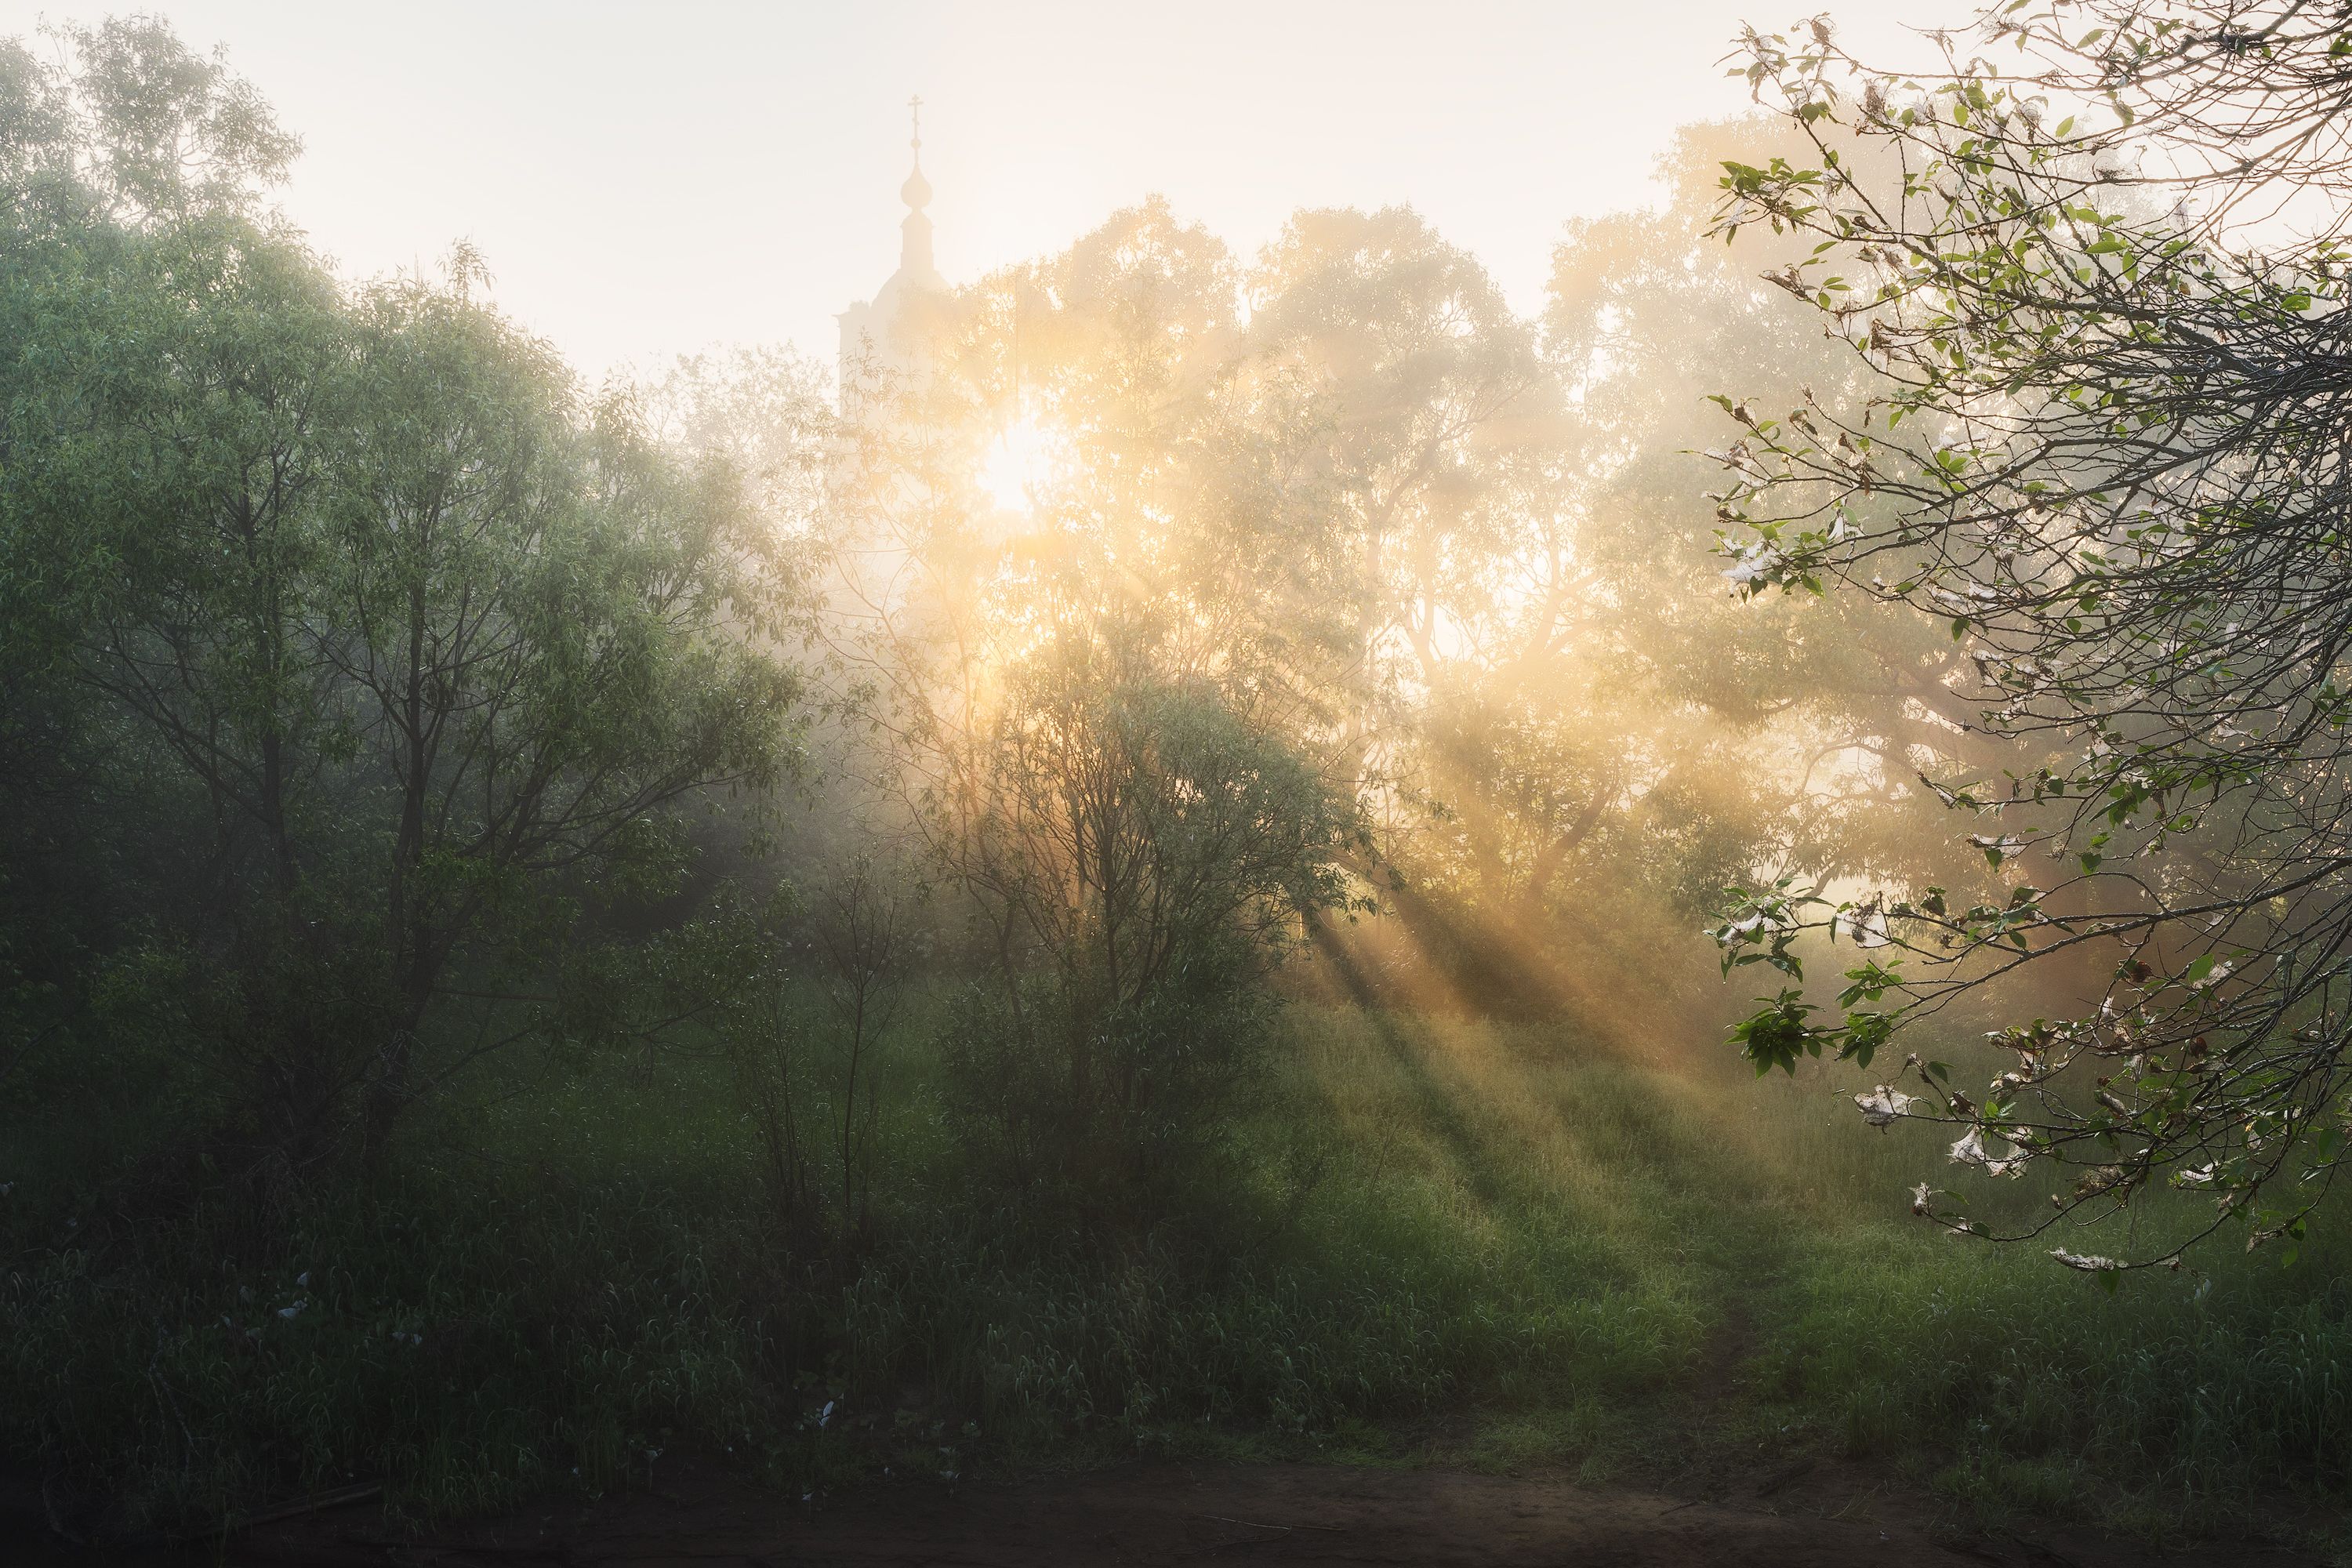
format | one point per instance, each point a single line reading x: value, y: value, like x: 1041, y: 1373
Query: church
x: 887, y: 353
x: 882, y: 339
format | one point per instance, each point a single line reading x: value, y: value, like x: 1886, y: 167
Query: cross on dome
x: 917, y: 192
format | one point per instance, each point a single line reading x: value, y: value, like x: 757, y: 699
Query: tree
x: 1613, y: 739
x: 1465, y: 578
x: 1091, y: 712
x: 551, y: 630
x: 420, y: 652
x: 2105, y: 294
x: 1145, y: 848
x: 1597, y: 736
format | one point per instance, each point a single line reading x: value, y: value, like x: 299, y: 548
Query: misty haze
x: 1051, y: 785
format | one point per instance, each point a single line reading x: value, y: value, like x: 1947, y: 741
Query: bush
x: 1120, y: 1103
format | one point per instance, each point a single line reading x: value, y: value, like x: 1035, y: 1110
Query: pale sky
x: 645, y: 180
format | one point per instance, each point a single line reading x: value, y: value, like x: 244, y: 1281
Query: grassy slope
x: 1747, y: 1245
x: 1449, y: 1240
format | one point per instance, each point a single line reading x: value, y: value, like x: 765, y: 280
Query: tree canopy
x: 2101, y: 288
x: 392, y: 650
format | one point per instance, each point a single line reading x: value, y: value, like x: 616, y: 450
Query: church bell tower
x: 882, y: 340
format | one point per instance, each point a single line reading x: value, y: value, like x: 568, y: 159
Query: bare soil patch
x: 1175, y: 1514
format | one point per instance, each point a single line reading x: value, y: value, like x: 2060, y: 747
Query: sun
x: 1019, y: 463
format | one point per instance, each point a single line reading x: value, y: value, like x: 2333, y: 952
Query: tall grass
x: 1478, y: 1242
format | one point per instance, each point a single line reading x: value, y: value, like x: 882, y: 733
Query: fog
x: 916, y: 771
x: 651, y: 181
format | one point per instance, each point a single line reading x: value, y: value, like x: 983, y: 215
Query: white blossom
x: 1867, y: 927
x: 2213, y: 977
x: 1881, y: 1106
x: 1756, y: 563
x: 1971, y: 1150
x: 2089, y: 1262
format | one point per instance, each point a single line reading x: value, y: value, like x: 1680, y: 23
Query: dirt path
x: 1170, y: 1513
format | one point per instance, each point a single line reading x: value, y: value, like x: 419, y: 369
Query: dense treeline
x: 390, y: 698
x: 359, y: 661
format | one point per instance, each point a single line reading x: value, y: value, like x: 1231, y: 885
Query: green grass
x: 1441, y: 1240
